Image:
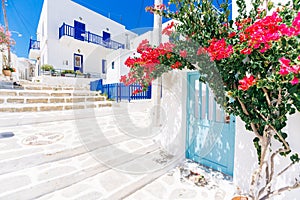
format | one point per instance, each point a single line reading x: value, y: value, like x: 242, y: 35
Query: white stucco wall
x: 118, y: 57
x: 246, y: 160
x: 173, y: 112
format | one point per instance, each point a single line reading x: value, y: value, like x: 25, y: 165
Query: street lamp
x: 16, y: 32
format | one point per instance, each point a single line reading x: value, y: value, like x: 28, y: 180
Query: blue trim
x: 67, y: 30
x: 221, y: 155
x: 76, y: 66
x: 119, y: 91
x: 104, y: 66
x: 79, y: 30
x: 34, y: 44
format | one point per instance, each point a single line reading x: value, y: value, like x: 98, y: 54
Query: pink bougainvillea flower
x: 246, y: 83
x: 284, y: 62
x: 283, y: 71
x: 176, y: 65
x: 299, y: 57
x: 232, y: 34
x: 243, y: 37
x: 161, y: 6
x: 263, y: 32
x: 295, y: 69
x: 295, y: 81
x: 201, y: 50
x: 143, y: 46
x: 123, y: 79
x: 137, y: 91
x: 168, y: 55
x: 183, y: 53
x: 168, y: 29
x: 296, y: 21
x: 218, y: 49
x: 246, y: 51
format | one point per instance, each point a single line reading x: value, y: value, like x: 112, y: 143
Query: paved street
x: 106, y: 153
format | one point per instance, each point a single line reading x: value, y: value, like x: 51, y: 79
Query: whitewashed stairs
x: 35, y: 98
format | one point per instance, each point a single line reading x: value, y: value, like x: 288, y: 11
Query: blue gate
x: 119, y: 91
x: 210, y: 132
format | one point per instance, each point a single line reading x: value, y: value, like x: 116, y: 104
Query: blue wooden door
x: 210, y: 132
x: 78, y: 62
x: 79, y: 29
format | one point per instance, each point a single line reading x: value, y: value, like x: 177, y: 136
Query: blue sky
x: 23, y: 17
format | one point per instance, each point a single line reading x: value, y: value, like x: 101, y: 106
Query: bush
x: 68, y: 71
x: 47, y: 67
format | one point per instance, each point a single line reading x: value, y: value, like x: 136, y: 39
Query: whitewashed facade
x: 115, y: 60
x: 72, y: 37
x: 173, y: 137
x: 24, y: 67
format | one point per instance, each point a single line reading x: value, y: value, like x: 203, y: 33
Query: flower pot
x: 6, y: 72
x: 240, y: 198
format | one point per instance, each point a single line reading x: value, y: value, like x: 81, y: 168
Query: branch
x: 279, y: 98
x: 287, y: 146
x: 267, y: 96
x: 270, y: 178
x: 252, y: 124
x: 276, y: 132
x: 296, y: 185
x: 285, y: 169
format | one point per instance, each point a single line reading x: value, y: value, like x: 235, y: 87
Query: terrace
x: 87, y: 36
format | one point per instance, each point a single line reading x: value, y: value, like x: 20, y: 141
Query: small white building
x: 72, y: 37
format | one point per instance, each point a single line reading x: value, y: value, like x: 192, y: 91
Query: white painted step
x: 18, y: 159
x: 34, y: 182
x: 31, y: 100
x: 49, y: 87
x: 71, y: 135
x: 118, y: 182
x: 47, y: 93
x: 38, y: 107
x: 30, y: 118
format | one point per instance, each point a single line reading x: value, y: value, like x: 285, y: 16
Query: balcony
x: 34, y: 49
x: 67, y: 30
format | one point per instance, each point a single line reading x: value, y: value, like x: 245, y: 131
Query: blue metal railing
x: 67, y: 30
x: 34, y: 44
x: 119, y: 91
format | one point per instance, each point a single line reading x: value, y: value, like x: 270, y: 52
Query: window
x: 43, y: 29
x: 113, y: 65
x: 103, y: 66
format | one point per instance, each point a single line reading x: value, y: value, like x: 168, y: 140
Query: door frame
x: 191, y: 78
x: 78, y: 62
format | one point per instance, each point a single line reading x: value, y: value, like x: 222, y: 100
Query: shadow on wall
x: 173, y: 106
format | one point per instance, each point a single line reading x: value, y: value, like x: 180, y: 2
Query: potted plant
x: 252, y: 64
x: 68, y: 73
x: 47, y: 69
x: 79, y: 74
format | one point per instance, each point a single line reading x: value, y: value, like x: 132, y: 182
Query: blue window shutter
x: 106, y: 36
x: 79, y: 30
x: 103, y: 66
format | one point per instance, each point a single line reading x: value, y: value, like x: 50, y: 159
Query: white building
x: 116, y: 67
x: 72, y: 37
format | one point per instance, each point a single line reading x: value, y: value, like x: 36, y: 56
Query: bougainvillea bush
x: 252, y: 64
